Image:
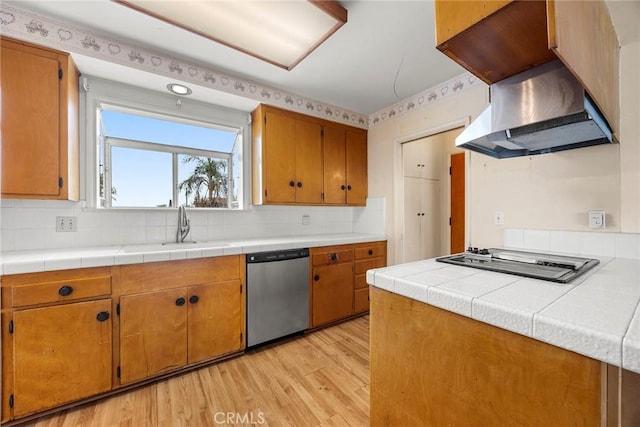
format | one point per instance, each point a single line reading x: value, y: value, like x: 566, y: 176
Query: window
x: 159, y: 162
x: 150, y: 152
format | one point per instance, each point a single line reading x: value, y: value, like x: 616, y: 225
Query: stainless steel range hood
x: 541, y: 110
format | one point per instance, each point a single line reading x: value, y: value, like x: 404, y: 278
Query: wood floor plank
x: 318, y: 379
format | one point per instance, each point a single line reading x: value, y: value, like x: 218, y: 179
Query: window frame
x: 98, y: 94
x: 175, y: 151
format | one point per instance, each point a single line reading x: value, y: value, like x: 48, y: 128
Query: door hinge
x: 322, y: 196
x: 11, y: 401
x: 10, y: 326
x: 118, y: 309
x: 59, y: 73
x: 60, y: 182
x: 449, y: 170
x: 265, y: 193
x: 240, y: 336
x: 322, y: 132
x: 449, y: 220
x: 240, y: 287
x: 118, y: 372
x: 265, y: 120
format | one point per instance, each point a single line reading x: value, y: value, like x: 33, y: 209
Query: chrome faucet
x: 184, y: 224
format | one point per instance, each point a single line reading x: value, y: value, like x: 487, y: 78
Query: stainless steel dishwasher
x: 277, y: 294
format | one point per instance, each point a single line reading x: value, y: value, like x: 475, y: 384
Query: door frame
x: 398, y: 183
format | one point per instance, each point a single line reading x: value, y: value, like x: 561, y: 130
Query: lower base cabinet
x: 190, y: 311
x: 339, y: 286
x: 432, y: 367
x: 61, y: 354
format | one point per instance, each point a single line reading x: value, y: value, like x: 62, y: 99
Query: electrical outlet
x: 306, y: 219
x: 498, y: 218
x: 66, y: 223
x: 597, y: 219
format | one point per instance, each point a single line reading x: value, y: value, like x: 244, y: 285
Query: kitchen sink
x: 175, y: 246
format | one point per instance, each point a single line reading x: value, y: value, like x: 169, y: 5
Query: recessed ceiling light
x: 179, y: 89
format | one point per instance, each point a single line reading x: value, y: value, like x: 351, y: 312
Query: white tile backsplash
x: 30, y: 224
x: 619, y: 245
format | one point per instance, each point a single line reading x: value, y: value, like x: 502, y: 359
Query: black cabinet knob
x: 370, y: 251
x: 342, y: 187
x: 194, y: 299
x: 180, y: 302
x: 292, y: 184
x: 349, y: 187
x: 299, y: 184
x: 65, y: 291
x: 316, y: 277
x: 103, y: 316
x: 334, y: 257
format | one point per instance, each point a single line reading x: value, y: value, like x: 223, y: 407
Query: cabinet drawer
x: 60, y: 290
x: 360, y: 281
x: 373, y: 251
x: 361, y: 300
x: 367, y: 264
x: 333, y: 257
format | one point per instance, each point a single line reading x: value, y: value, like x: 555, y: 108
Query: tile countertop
x: 18, y: 262
x: 596, y: 315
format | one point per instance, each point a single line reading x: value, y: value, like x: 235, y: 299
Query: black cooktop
x: 554, y: 268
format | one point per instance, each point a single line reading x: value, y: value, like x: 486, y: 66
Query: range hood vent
x: 541, y: 110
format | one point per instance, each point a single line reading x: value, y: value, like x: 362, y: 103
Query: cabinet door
x: 30, y: 122
x: 308, y: 162
x: 413, y: 159
x: 279, y: 158
x: 421, y: 219
x: 215, y: 320
x: 61, y: 354
x: 153, y: 333
x: 332, y: 293
x: 356, y: 161
x: 334, y: 156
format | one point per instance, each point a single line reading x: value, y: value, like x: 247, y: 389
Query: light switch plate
x: 597, y: 218
x: 306, y: 220
x: 498, y: 218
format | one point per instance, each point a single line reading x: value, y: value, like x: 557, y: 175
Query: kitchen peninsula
x: 499, y: 349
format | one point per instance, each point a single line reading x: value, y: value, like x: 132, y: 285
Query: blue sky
x: 143, y: 178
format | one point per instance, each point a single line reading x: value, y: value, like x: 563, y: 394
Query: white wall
x: 546, y: 192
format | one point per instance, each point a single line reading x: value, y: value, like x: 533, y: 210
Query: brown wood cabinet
x: 433, y: 367
x: 300, y: 159
x: 367, y: 257
x: 345, y: 165
x: 178, y: 313
x: 338, y: 280
x: 498, y: 39
x: 39, y: 122
x: 58, y: 348
x: 289, y: 149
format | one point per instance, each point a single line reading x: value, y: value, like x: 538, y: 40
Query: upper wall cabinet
x: 299, y: 159
x: 345, y: 165
x: 498, y: 39
x: 39, y: 123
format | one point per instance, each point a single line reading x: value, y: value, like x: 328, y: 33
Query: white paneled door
x: 421, y: 218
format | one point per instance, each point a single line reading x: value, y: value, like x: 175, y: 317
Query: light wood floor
x: 320, y: 379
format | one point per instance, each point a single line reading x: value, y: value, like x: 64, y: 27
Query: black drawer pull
x: 316, y: 277
x: 334, y: 257
x: 299, y: 184
x: 194, y: 299
x: 292, y: 184
x: 370, y: 251
x: 349, y: 187
x: 342, y: 187
x: 103, y: 316
x: 180, y: 302
x: 65, y: 291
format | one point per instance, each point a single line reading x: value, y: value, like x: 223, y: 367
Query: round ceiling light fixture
x: 179, y: 89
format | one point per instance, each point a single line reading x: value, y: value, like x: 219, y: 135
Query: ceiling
x: 383, y: 54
